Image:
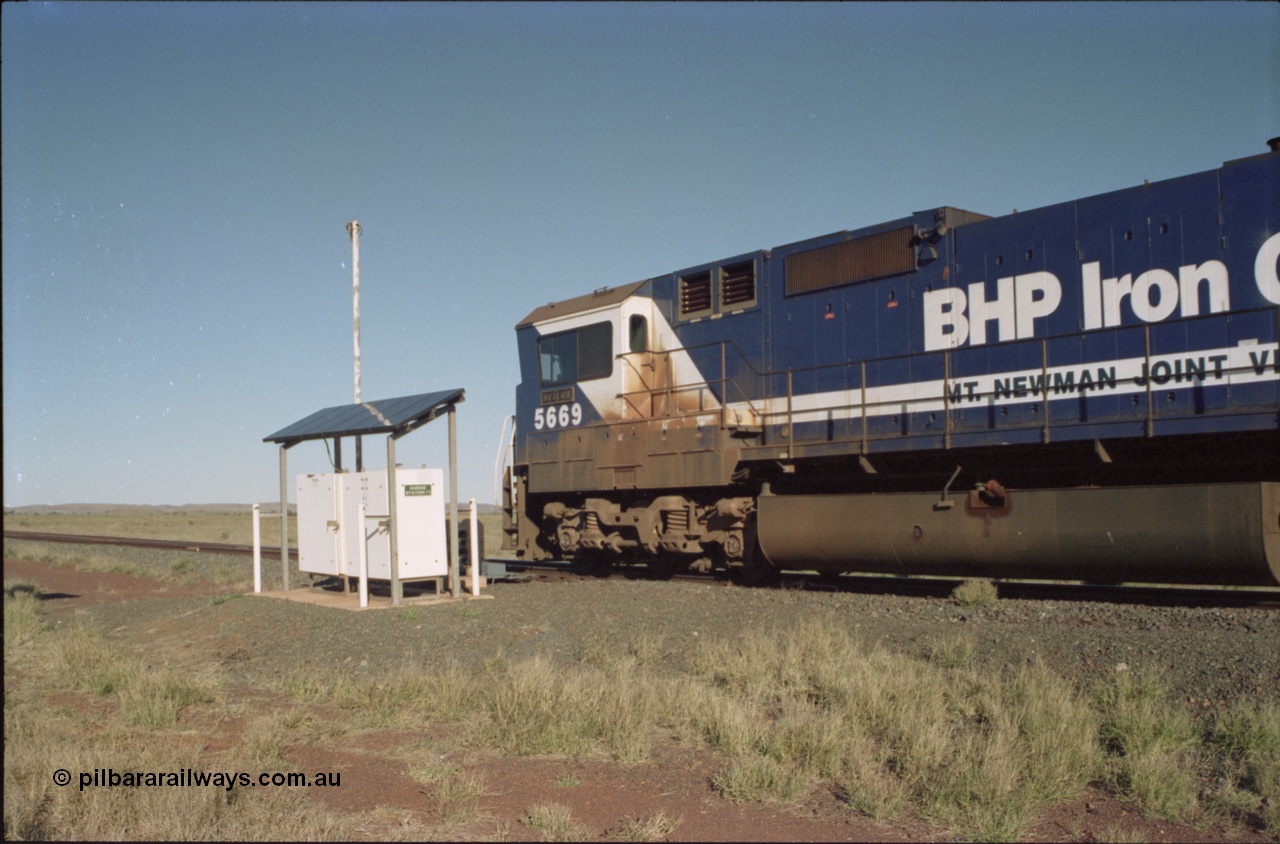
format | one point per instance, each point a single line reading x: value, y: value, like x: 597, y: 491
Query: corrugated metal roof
x: 601, y: 298
x: 384, y: 416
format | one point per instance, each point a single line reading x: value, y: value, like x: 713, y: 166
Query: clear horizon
x: 178, y: 179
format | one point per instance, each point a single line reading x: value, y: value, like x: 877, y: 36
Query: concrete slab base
x: 351, y: 600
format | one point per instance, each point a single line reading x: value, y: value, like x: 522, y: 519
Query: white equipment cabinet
x: 328, y: 534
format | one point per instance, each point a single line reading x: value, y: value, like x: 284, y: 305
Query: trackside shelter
x: 395, y: 418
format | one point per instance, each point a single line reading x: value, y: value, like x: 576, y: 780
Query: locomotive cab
x: 611, y: 404
x: 571, y: 360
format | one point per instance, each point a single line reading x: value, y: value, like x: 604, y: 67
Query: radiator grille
x: 738, y: 284
x: 874, y: 256
x: 695, y: 293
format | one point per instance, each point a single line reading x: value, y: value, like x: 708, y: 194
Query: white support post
x: 340, y: 535
x: 284, y: 518
x: 364, y: 558
x: 455, y: 565
x: 397, y: 588
x: 475, y: 552
x: 257, y: 550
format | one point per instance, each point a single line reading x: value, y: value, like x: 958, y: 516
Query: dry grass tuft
x: 554, y: 822
x: 653, y: 828
x: 24, y: 616
x: 812, y: 704
x: 1149, y: 745
x: 975, y: 593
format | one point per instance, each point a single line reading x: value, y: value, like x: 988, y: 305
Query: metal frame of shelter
x: 395, y: 418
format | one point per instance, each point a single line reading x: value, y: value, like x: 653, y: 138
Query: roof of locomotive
x: 601, y: 298
x: 606, y: 296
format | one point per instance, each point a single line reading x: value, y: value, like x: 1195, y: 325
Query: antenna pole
x: 353, y: 229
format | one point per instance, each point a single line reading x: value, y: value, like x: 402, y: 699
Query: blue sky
x: 177, y: 179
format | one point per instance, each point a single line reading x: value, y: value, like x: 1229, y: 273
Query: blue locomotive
x: 1086, y: 391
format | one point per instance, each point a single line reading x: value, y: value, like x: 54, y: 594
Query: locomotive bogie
x: 670, y: 530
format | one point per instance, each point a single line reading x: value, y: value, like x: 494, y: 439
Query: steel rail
x: 138, y: 542
x: 941, y: 587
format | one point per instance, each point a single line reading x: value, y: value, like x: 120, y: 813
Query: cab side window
x: 638, y: 334
x: 581, y: 354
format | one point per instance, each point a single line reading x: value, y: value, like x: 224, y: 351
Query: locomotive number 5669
x: 561, y: 416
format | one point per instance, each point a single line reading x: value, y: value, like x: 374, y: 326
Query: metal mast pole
x: 353, y: 229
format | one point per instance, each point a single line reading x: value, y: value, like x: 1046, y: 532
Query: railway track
x: 923, y: 587
x: 135, y: 542
x: 938, y: 587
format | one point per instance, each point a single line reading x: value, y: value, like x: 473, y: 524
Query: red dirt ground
x: 676, y: 782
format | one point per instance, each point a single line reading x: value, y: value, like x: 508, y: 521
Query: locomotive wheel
x: 665, y: 566
x: 591, y: 563
x: 755, y: 571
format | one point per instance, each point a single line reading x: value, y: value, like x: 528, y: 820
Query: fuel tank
x: 1205, y: 534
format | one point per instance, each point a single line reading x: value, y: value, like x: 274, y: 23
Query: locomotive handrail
x: 759, y: 406
x: 947, y: 384
x: 725, y: 381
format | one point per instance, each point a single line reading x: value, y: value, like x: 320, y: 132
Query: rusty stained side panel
x: 632, y: 455
x: 643, y: 375
x: 652, y: 389
x: 623, y: 446
x: 688, y: 451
